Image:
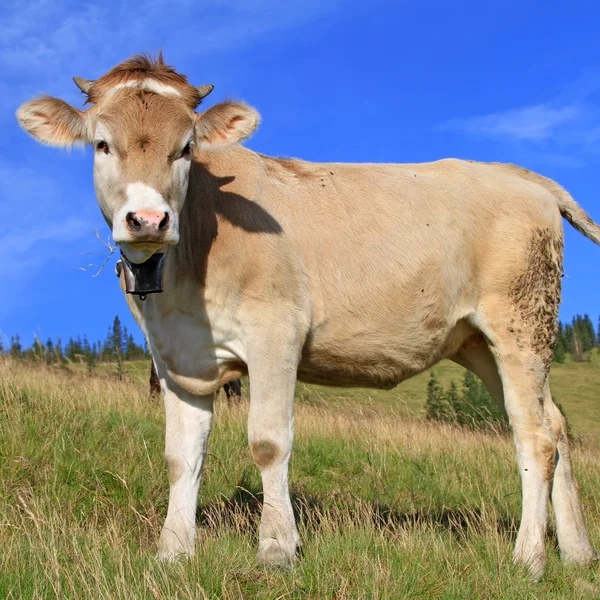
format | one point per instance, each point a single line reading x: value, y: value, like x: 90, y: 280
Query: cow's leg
x: 479, y: 360
x: 572, y: 535
x: 270, y: 435
x: 188, y: 425
x: 573, y: 539
x: 524, y: 380
x: 233, y: 390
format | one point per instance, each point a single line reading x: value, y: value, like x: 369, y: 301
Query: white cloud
x: 529, y: 123
x: 564, y: 130
x: 17, y: 246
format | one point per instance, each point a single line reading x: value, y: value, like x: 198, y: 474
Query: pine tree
x: 70, y: 349
x: 568, y: 337
x: 455, y: 411
x: 470, y: 396
x: 590, y: 334
x: 58, y: 351
x: 49, y: 351
x: 39, y: 349
x: 434, y: 409
x: 560, y: 352
x: 480, y: 409
x: 85, y: 346
x: 117, y: 346
x: 16, y: 349
x: 133, y: 350
x: 560, y: 348
x: 576, y: 346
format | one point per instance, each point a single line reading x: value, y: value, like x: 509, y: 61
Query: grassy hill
x: 576, y: 386
x: 387, y: 507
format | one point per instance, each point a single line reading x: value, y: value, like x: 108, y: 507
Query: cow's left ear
x: 53, y: 121
x: 225, y: 124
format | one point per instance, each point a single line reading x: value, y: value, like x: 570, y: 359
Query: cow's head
x: 144, y: 131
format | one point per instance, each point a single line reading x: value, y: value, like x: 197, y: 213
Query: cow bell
x: 145, y: 278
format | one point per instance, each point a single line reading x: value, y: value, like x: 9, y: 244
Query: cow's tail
x: 569, y: 209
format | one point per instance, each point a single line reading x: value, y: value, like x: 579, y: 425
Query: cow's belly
x: 378, y: 360
x: 197, y: 357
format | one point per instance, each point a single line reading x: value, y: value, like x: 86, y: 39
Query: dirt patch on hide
x: 264, y: 453
x: 174, y: 469
x: 536, y: 293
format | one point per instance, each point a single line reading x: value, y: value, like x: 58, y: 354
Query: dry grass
x: 388, y: 507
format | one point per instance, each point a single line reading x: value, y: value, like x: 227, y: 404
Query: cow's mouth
x: 143, y: 278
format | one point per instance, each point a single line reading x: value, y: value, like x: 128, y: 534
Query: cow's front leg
x: 188, y: 420
x: 270, y: 435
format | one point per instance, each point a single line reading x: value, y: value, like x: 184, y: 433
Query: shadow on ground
x: 242, y: 510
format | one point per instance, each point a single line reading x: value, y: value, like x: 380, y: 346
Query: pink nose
x: 148, y: 225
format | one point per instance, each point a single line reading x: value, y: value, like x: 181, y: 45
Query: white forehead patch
x: 149, y: 85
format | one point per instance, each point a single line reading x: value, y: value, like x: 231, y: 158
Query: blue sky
x: 377, y: 81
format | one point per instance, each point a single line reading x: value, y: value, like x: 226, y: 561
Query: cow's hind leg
x: 573, y: 539
x: 524, y: 374
x: 572, y: 535
x: 522, y: 344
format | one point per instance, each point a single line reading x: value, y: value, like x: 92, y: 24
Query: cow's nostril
x: 132, y: 222
x: 164, y: 222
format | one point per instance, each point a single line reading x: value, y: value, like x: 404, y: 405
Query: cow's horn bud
x: 205, y: 90
x: 83, y: 84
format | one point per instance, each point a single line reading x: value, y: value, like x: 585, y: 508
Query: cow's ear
x: 54, y: 122
x: 225, y: 124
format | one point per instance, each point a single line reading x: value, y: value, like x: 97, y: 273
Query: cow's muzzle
x: 148, y: 226
x: 143, y: 278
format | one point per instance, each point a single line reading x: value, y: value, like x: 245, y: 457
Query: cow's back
x: 396, y: 257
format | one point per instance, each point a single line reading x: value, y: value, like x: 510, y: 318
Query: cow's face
x: 143, y: 143
x: 144, y: 137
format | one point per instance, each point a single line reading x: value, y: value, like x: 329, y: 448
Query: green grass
x: 576, y: 386
x: 388, y: 507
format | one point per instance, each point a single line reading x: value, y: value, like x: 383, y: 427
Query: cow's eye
x: 102, y: 146
x: 187, y: 150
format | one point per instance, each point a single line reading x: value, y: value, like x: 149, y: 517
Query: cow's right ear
x: 54, y: 122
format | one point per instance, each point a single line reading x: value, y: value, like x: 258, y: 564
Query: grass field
x: 388, y: 505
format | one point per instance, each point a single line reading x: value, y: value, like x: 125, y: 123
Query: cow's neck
x: 220, y: 204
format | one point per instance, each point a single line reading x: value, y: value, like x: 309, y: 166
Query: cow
x: 335, y: 274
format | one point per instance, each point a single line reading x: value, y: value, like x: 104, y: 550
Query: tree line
x: 576, y: 339
x: 118, y: 346
x: 469, y: 406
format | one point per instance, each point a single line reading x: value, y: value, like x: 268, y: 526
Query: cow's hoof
x: 277, y: 552
x: 534, y: 563
x: 171, y: 556
x: 171, y: 548
x: 583, y: 557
